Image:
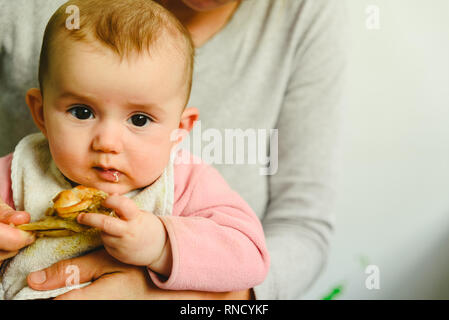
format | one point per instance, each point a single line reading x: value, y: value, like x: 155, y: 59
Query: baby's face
x: 108, y: 122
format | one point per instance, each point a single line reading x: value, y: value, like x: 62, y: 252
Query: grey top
x: 277, y: 64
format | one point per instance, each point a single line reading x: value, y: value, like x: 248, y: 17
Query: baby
x: 112, y: 95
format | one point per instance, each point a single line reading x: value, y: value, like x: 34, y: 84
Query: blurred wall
x: 393, y: 203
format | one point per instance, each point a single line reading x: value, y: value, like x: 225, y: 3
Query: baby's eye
x: 81, y: 112
x: 139, y: 120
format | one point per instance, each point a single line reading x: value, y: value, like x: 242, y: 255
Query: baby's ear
x: 188, y: 118
x: 35, y: 103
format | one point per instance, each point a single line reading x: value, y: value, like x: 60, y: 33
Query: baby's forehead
x: 89, y: 66
x: 168, y: 48
x: 70, y: 50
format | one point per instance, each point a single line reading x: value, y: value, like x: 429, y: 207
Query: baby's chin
x: 115, y: 188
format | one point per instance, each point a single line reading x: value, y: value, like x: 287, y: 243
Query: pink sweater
x: 217, y: 240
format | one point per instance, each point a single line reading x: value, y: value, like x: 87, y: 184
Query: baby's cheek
x: 145, y: 172
x: 64, y: 154
x: 68, y: 161
x: 63, y: 145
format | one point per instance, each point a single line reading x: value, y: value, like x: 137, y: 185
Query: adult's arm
x: 107, y: 274
x: 299, y: 217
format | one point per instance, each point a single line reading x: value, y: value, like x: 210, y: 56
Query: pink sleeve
x: 217, y: 240
x: 5, y: 180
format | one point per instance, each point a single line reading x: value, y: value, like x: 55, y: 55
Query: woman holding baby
x: 260, y: 64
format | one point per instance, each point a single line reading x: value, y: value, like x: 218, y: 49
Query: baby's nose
x: 108, y: 139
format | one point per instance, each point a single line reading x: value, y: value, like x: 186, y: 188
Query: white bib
x: 35, y: 182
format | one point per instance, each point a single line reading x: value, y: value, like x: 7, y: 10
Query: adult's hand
x: 107, y: 275
x: 11, y: 238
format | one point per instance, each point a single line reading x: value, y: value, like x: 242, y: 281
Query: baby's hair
x: 125, y: 26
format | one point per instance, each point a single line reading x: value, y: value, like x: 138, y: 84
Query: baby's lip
x: 108, y: 174
x: 105, y: 168
x: 105, y: 165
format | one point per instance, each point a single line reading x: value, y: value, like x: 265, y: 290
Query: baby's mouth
x: 110, y: 175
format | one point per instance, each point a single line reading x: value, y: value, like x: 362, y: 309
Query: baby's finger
x: 123, y: 207
x: 110, y: 225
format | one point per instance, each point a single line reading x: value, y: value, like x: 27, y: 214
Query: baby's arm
x: 217, y: 241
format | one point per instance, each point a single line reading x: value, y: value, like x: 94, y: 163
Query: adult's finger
x: 123, y: 207
x: 9, y: 215
x: 89, y: 267
x: 7, y: 254
x: 134, y: 283
x: 12, y: 239
x: 4, y: 208
x: 18, y: 218
x: 110, y: 225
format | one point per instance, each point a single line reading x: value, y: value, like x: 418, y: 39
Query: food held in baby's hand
x: 68, y: 204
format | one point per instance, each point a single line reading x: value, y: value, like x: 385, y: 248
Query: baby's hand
x: 137, y: 238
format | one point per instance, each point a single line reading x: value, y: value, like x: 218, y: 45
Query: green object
x: 334, y: 293
x: 364, y: 261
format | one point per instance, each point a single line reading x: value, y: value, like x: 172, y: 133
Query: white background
x: 393, y: 204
